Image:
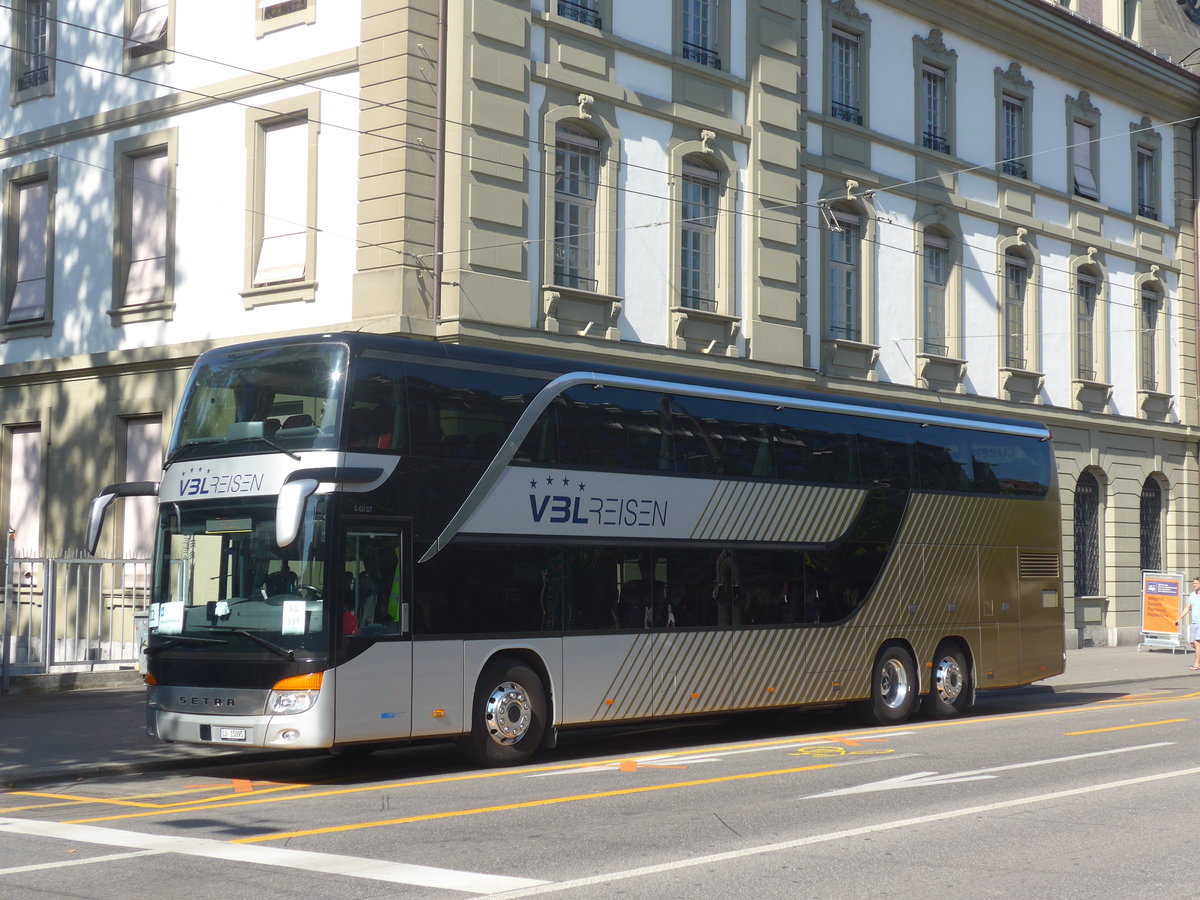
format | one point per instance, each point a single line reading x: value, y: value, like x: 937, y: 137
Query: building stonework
x: 975, y: 206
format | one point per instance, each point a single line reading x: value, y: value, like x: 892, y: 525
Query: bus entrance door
x: 373, y: 681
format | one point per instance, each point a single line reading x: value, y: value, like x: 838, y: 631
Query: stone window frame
x: 1145, y: 141
x: 1156, y: 399
x: 124, y: 152
x: 13, y: 178
x: 1082, y: 113
x: 304, y: 15
x: 931, y: 52
x: 303, y: 109
x: 19, y: 35
x: 141, y: 55
x: 1011, y: 84
x: 1025, y: 379
x: 843, y: 16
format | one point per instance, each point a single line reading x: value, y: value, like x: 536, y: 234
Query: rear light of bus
x: 294, y: 695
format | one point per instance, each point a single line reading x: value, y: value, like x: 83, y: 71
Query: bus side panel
x: 437, y: 690
x: 372, y: 694
x: 999, y: 663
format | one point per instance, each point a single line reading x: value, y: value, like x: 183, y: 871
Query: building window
x: 1016, y: 287
x: 1083, y: 161
x: 1148, y: 337
x: 28, y: 258
x: 148, y: 27
x: 25, y: 477
x: 576, y: 179
x: 1086, y: 292
x: 143, y: 264
x: 933, y: 295
x: 585, y: 12
x: 1147, y: 183
x: 33, y: 49
x: 699, y: 189
x: 1151, y: 525
x: 699, y: 27
x: 281, y: 203
x: 844, y: 78
x: 934, y: 115
x: 843, y: 289
x: 1013, y: 156
x: 1087, y: 536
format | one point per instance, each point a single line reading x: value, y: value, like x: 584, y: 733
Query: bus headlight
x: 294, y: 695
x: 283, y: 703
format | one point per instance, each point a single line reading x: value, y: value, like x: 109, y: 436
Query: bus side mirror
x: 289, y: 509
x: 103, y: 501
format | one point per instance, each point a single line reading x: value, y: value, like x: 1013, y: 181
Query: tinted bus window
x: 884, y: 456
x: 1011, y: 464
x: 944, y: 459
x: 812, y: 446
x: 613, y: 428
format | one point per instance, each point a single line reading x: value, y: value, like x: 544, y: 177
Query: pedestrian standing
x: 1191, y: 608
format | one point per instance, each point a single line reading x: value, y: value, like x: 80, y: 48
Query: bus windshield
x: 221, y: 581
x: 248, y: 401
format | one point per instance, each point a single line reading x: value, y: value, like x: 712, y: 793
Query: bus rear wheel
x: 893, y: 687
x: 508, y: 716
x: 950, y: 686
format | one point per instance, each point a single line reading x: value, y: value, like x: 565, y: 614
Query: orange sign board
x: 1162, y: 596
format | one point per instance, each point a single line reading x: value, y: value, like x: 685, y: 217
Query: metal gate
x: 76, y: 615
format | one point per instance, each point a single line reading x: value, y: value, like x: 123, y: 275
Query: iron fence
x: 68, y: 614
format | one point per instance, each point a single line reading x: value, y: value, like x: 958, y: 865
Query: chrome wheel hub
x: 894, y: 684
x: 508, y: 713
x: 948, y: 679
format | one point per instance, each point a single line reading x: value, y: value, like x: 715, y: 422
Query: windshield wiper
x: 185, y: 641
x: 187, y: 445
x: 270, y: 443
x: 289, y: 655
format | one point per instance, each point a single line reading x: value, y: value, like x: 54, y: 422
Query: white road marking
x: 329, y: 863
x: 930, y: 779
x: 66, y: 863
x: 711, y: 858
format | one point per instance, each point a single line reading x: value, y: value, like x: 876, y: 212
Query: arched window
x: 1151, y: 526
x: 934, y: 278
x: 1016, y: 287
x: 1087, y: 290
x: 843, y: 286
x: 1087, y: 536
x: 700, y: 188
x: 576, y: 179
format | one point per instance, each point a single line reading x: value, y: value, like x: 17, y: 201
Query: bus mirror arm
x: 302, y: 484
x: 103, y: 501
x: 289, y: 510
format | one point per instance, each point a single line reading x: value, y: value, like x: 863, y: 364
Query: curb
x: 109, y: 770
x: 56, y: 682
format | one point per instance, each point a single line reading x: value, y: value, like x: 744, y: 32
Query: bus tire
x: 508, y: 716
x: 950, y: 688
x: 893, y: 687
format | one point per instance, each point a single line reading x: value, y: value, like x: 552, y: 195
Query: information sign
x: 1162, y: 596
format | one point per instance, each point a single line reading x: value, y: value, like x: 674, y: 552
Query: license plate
x: 232, y: 734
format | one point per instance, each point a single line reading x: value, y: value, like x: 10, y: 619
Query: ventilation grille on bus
x: 1039, y: 565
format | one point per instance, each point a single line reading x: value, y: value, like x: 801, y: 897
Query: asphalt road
x: 1036, y: 794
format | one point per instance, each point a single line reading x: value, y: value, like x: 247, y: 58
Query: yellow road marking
x: 528, y: 804
x: 1125, y: 727
x: 228, y: 801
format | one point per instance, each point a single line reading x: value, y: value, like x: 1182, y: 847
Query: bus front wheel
x: 893, y: 687
x: 508, y: 716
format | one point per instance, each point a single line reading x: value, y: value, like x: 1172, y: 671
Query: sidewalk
x: 76, y: 734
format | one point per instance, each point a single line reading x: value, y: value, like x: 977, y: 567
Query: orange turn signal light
x: 309, y: 682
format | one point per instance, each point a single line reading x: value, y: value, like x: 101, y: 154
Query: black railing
x: 702, y: 55
x: 577, y: 12
x: 572, y: 280
x: 1147, y: 212
x: 282, y: 9
x: 936, y: 142
x: 845, y: 112
x: 33, y: 78
x: 1015, y: 168
x: 698, y: 301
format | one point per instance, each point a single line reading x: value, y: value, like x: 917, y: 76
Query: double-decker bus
x: 370, y: 539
